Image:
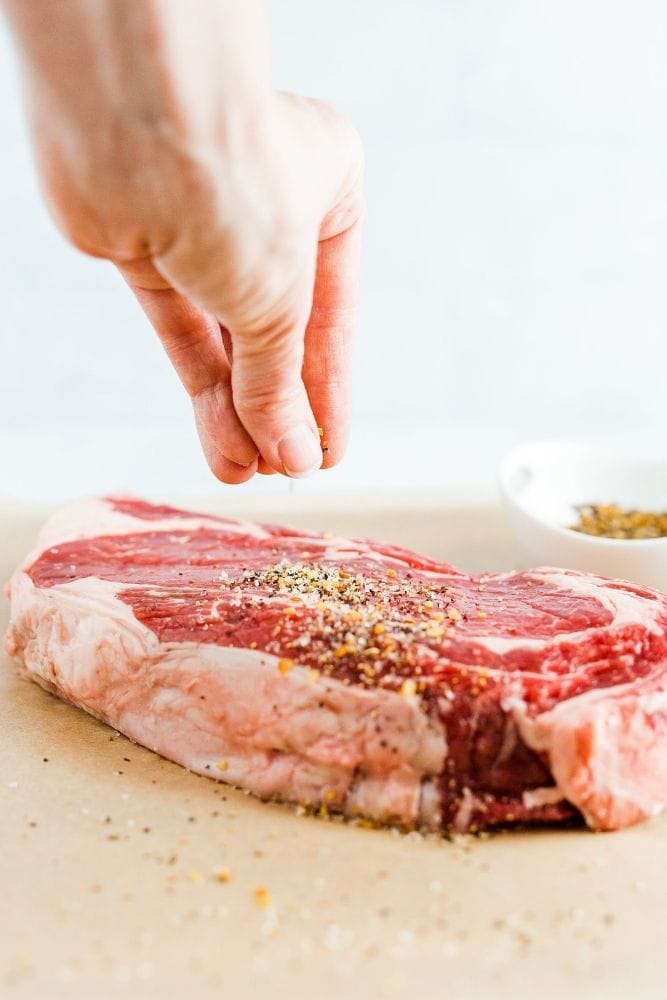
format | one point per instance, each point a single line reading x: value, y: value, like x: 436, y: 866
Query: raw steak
x: 348, y: 674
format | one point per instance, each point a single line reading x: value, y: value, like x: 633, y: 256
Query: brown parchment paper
x: 109, y: 855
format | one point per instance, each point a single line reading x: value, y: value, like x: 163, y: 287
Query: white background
x: 514, y: 269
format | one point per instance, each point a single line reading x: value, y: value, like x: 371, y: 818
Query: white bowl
x: 543, y: 483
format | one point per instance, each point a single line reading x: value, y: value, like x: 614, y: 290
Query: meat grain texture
x: 348, y: 674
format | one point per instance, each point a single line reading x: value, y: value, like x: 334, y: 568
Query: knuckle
x: 269, y: 330
x: 266, y: 400
x: 211, y: 398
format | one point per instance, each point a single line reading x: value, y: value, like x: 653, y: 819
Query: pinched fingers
x: 193, y: 342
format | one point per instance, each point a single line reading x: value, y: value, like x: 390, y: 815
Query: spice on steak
x: 612, y: 521
x: 360, y: 628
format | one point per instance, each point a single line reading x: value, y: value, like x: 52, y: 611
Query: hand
x: 232, y: 211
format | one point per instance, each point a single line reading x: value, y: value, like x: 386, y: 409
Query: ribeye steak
x: 348, y: 674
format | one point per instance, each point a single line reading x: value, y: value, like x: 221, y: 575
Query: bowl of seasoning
x: 588, y: 508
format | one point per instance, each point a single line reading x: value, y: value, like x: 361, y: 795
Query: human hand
x: 232, y: 211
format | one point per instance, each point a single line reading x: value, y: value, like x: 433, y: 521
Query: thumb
x: 267, y: 386
x: 263, y: 299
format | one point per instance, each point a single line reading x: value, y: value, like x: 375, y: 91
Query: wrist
x: 147, y: 61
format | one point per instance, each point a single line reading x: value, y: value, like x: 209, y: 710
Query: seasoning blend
x: 611, y: 521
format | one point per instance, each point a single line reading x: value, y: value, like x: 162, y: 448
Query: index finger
x: 327, y: 366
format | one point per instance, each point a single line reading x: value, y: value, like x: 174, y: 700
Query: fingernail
x: 300, y: 452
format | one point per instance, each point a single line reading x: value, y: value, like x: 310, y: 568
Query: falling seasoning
x: 612, y: 521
